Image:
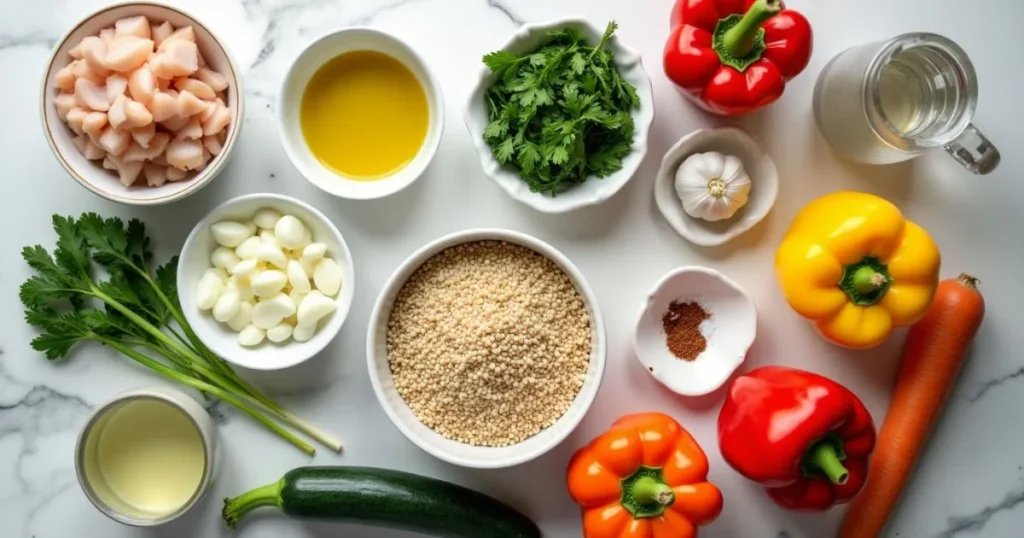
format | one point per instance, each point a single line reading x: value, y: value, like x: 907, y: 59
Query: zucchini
x: 385, y: 498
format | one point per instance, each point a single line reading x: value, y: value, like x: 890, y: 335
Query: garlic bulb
x: 712, y: 186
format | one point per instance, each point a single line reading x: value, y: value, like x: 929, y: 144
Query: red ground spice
x: 681, y: 323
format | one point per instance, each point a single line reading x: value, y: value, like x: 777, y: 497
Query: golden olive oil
x: 364, y: 115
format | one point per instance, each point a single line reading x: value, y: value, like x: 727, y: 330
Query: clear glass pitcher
x: 893, y: 100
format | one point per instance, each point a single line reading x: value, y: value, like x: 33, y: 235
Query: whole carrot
x: 932, y: 356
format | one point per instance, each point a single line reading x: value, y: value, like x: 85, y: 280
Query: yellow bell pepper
x: 856, y: 268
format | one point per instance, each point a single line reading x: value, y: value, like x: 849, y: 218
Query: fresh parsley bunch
x: 134, y: 311
x: 562, y: 113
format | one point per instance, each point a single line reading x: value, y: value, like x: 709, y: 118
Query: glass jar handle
x: 974, y: 151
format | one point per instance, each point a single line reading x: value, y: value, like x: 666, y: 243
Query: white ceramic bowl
x: 759, y: 166
x: 729, y: 332
x: 453, y: 451
x: 195, y: 259
x: 91, y: 174
x: 289, y: 104
x: 595, y: 190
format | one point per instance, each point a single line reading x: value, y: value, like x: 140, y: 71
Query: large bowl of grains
x: 486, y: 348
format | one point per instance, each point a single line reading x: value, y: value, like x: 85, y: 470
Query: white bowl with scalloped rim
x: 594, y: 190
x: 764, y: 178
x: 730, y: 331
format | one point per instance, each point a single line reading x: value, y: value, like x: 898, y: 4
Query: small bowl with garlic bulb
x: 715, y: 184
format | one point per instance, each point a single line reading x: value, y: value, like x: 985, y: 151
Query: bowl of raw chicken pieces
x: 141, y: 103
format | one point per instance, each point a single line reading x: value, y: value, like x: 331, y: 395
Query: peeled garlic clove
x: 243, y: 285
x: 302, y: 333
x: 314, y: 251
x: 287, y: 305
x: 230, y: 234
x: 266, y: 218
x: 267, y: 236
x: 269, y: 283
x: 227, y: 306
x: 290, y: 232
x: 208, y: 291
x: 251, y: 336
x: 224, y: 258
x: 249, y: 249
x: 268, y: 314
x: 297, y: 277
x: 244, y: 267
x: 280, y: 333
x: 327, y: 277
x: 243, y: 318
x: 314, y: 307
x: 272, y: 254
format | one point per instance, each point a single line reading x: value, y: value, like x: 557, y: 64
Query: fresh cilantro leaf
x: 167, y: 280
x: 561, y: 113
x: 500, y: 60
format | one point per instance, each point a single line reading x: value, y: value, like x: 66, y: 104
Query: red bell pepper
x: 804, y: 437
x: 732, y: 57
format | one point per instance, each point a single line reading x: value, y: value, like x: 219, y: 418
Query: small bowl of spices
x: 695, y: 329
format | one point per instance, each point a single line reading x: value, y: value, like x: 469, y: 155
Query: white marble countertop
x: 970, y: 483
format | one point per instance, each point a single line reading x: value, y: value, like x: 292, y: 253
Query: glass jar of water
x: 891, y: 101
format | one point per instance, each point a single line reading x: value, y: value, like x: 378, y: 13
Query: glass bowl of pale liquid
x: 147, y: 456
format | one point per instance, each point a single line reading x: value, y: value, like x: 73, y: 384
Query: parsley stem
x: 206, y: 387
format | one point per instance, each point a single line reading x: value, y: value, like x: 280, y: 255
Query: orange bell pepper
x: 646, y: 477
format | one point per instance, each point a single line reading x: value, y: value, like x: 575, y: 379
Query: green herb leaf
x: 562, y: 113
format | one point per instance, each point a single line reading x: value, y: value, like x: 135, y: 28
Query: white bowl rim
x: 429, y: 149
x: 344, y: 300
x: 642, y: 127
x: 656, y: 289
x: 692, y: 138
x: 417, y: 259
x: 207, y: 174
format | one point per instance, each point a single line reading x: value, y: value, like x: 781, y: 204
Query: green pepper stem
x: 647, y: 490
x: 866, y: 280
x: 740, y: 39
x: 236, y: 508
x: 824, y: 457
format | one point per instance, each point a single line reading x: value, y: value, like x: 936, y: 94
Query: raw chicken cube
x: 212, y: 145
x: 185, y: 33
x: 185, y: 154
x: 108, y: 34
x: 161, y: 33
x: 174, y: 123
x: 189, y: 104
x: 178, y: 58
x: 138, y: 153
x: 76, y: 52
x: 142, y: 84
x: 143, y: 135
x: 155, y: 175
x: 114, y: 141
x: 81, y: 69
x: 191, y: 131
x: 129, y: 172
x: 212, y: 79
x: 163, y: 106
x: 116, y: 115
x: 175, y: 174
x: 75, y: 118
x: 198, y: 88
x: 116, y: 85
x: 134, y: 26
x: 64, y: 102
x: 128, y: 52
x: 94, y: 123
x: 64, y: 79
x: 94, y: 51
x: 218, y: 121
x: 91, y: 95
x: 137, y: 114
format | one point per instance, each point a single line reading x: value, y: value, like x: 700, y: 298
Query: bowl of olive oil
x: 360, y: 114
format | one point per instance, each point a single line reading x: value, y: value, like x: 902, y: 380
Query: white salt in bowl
x: 455, y: 452
x: 91, y: 174
x: 729, y: 332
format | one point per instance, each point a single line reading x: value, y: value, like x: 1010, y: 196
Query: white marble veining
x: 969, y: 484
